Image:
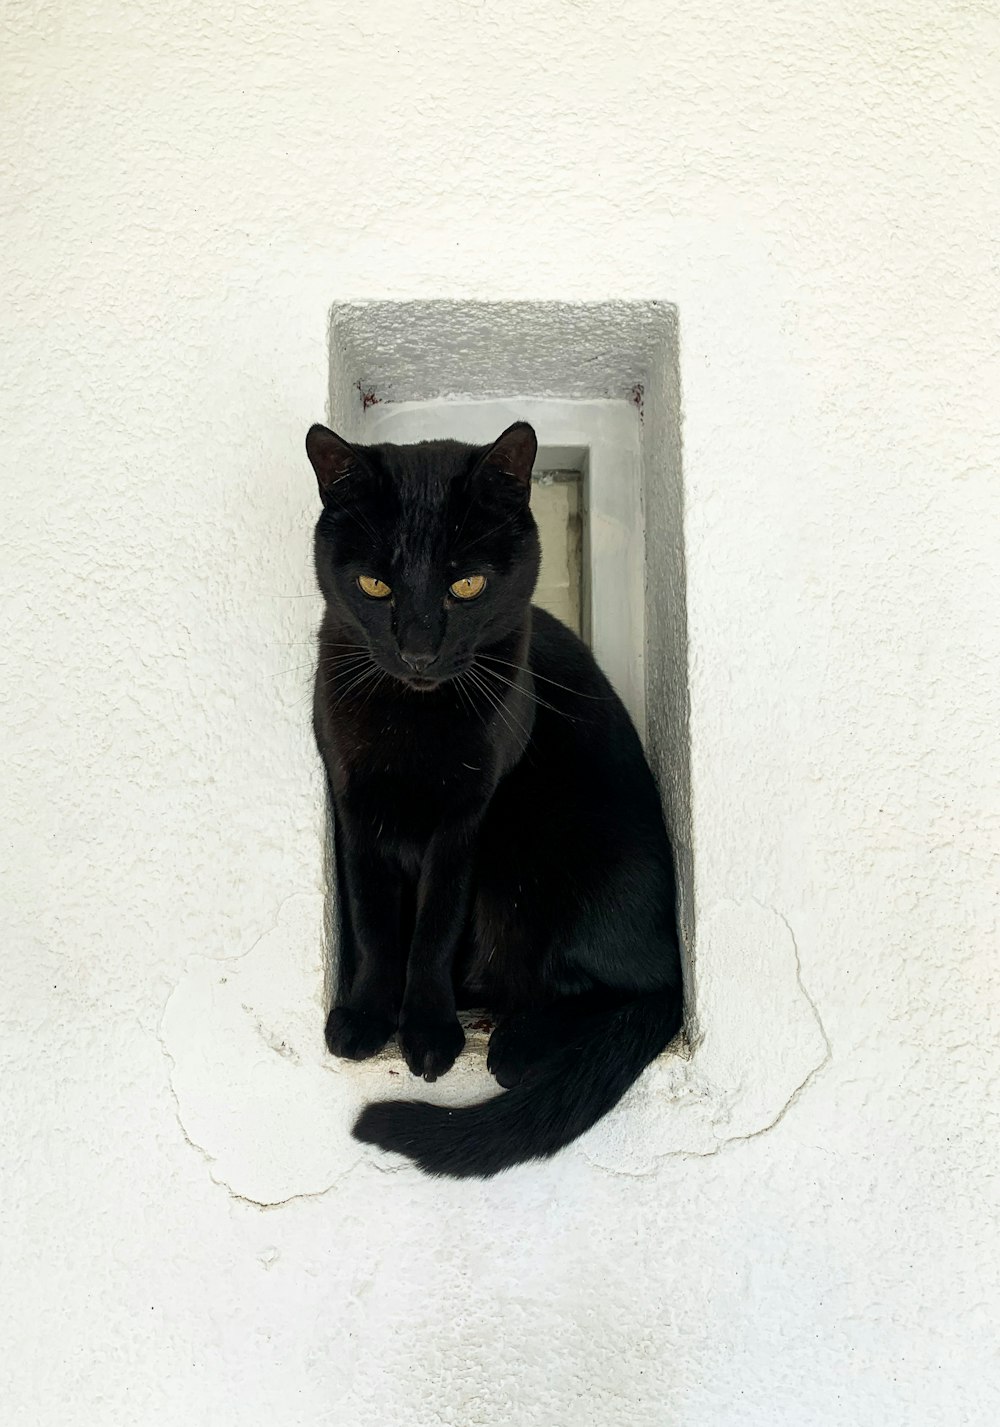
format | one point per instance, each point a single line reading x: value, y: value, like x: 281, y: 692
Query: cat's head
x: 426, y: 553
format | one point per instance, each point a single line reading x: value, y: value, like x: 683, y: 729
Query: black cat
x: 499, y: 838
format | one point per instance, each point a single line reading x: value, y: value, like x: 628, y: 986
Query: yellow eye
x: 374, y: 589
x: 468, y: 588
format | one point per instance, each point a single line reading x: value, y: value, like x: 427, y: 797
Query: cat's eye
x: 468, y: 587
x: 373, y: 588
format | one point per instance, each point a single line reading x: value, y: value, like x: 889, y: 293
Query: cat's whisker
x: 360, y: 521
x: 490, y: 698
x: 349, y: 676
x: 598, y: 698
x: 332, y: 675
x: 339, y: 659
x: 502, y: 695
x: 502, y: 707
x: 373, y: 688
x: 295, y: 669
x: 518, y: 687
x: 510, y: 718
x: 346, y: 676
x: 496, y: 529
x: 528, y: 694
x: 466, y: 694
x: 357, y: 682
x: 461, y: 690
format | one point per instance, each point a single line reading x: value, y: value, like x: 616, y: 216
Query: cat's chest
x: 404, y: 782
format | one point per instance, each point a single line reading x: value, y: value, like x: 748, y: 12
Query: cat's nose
x: 417, y: 662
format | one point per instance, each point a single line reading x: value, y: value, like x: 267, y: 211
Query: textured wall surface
x: 188, y: 190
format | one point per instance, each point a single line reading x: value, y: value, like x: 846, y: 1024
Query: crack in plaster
x: 827, y: 1051
x: 257, y: 1096
x: 690, y: 1112
x: 270, y: 1039
x: 211, y: 1159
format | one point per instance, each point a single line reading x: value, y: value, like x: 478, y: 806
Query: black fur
x: 499, y: 837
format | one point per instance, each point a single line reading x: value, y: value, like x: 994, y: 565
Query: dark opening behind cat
x: 499, y: 837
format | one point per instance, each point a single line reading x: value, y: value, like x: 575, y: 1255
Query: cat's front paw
x: 430, y: 1045
x: 356, y: 1035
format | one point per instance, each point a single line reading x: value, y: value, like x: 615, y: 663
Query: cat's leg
x: 346, y: 954
x: 522, y: 1043
x: 429, y: 1033
x: 367, y: 1011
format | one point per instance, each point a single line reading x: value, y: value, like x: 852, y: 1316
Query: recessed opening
x: 599, y: 382
x: 557, y: 502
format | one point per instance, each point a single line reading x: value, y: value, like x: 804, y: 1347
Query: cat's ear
x: 514, y: 453
x: 332, y: 457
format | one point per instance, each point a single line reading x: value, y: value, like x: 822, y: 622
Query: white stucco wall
x: 189, y: 190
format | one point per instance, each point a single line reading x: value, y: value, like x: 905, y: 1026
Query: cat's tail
x: 570, y: 1091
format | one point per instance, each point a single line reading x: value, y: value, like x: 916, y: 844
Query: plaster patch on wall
x: 761, y: 1044
x: 256, y: 1091
x: 258, y: 1094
